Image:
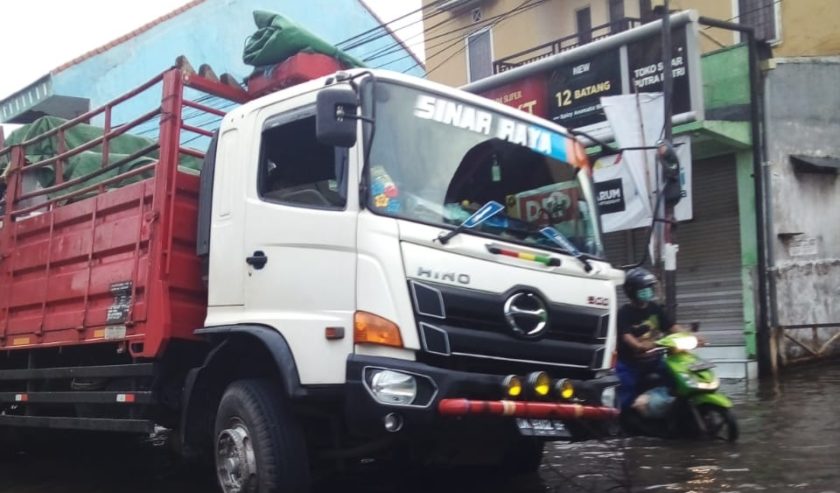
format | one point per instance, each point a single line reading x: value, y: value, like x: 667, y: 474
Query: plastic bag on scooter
x: 654, y: 403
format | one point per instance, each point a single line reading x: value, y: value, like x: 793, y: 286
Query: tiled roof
x: 122, y: 39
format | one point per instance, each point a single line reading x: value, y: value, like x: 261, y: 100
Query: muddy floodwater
x: 790, y: 442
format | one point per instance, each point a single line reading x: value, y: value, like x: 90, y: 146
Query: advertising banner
x: 576, y: 89
x: 529, y: 95
x: 646, y: 68
x: 569, y: 91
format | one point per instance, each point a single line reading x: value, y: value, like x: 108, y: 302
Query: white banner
x: 626, y: 184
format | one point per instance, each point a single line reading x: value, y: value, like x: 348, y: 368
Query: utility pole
x: 665, y: 153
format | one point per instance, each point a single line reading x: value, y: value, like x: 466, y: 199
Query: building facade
x: 758, y: 259
x: 467, y: 37
x: 209, y: 32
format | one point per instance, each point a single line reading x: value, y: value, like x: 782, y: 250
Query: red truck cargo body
x: 116, y: 266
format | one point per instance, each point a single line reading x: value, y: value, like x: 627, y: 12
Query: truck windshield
x: 437, y: 160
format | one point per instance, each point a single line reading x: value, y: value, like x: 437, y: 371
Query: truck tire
x: 258, y: 445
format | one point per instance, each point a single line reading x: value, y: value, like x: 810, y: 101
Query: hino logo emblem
x: 452, y: 277
x: 526, y: 314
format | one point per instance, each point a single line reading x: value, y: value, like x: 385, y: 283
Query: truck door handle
x: 258, y: 259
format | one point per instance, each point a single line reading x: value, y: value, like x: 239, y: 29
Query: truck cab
x: 416, y: 247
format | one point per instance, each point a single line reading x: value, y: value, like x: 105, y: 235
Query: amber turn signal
x: 373, y: 329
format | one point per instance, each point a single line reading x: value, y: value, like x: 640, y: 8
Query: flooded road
x: 790, y: 441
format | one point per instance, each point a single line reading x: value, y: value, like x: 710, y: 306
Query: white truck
x: 391, y: 265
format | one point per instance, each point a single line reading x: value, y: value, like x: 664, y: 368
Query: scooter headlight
x: 685, y: 343
x: 692, y: 382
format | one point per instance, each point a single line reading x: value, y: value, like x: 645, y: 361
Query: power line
x: 395, y: 48
x: 384, y: 24
x: 501, y: 18
x: 741, y: 14
x: 397, y: 44
x: 449, y: 38
x: 511, y: 13
x: 353, y: 41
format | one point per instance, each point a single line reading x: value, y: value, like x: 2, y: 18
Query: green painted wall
x: 726, y: 77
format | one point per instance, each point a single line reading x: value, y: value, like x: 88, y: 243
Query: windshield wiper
x: 560, y: 240
x: 485, y: 212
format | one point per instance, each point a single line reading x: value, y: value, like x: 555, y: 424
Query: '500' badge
x: 597, y: 301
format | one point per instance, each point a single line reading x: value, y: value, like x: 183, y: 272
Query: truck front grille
x: 463, y: 328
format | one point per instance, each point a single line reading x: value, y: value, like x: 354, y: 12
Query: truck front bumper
x: 444, y: 395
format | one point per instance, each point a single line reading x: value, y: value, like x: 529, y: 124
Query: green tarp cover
x: 85, y: 162
x: 278, y: 38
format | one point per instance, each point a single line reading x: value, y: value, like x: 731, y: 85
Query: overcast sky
x: 39, y: 35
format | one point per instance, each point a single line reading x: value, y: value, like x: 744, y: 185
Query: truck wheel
x: 258, y: 445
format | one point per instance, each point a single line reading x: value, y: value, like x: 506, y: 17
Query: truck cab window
x: 296, y: 169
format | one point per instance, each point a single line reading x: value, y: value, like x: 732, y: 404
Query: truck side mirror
x: 335, y: 123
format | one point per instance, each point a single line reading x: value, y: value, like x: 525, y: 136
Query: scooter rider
x: 640, y: 323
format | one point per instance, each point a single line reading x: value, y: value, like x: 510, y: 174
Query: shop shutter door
x: 709, y: 288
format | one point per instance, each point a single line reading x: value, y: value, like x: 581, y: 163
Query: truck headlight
x: 392, y: 387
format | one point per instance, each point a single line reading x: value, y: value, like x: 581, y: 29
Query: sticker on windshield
x: 558, y: 238
x: 385, y: 193
x: 466, y: 117
x: 486, y: 211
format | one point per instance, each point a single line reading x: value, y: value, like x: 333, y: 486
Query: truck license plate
x: 542, y: 427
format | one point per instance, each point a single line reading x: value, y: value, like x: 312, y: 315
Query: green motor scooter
x: 695, y: 409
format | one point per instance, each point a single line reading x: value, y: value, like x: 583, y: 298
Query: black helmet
x: 637, y: 279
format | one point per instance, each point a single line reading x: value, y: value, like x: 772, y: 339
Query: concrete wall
x: 809, y: 28
x: 803, y: 99
x: 213, y: 32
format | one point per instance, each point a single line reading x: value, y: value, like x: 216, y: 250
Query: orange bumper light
x: 373, y: 329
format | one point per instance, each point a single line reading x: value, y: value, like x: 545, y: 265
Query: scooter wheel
x: 720, y: 423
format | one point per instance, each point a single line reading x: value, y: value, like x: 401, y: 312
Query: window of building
x: 584, y: 25
x: 296, y: 169
x: 480, y: 55
x: 618, y: 22
x: 761, y: 15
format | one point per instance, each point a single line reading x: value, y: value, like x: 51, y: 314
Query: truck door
x: 300, y: 243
